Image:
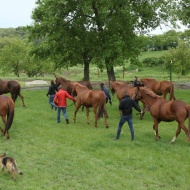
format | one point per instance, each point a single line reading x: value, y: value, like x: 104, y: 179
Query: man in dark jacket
x: 136, y: 82
x: 125, y: 108
x: 51, y: 93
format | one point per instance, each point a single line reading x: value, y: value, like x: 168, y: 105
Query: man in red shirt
x: 60, y: 101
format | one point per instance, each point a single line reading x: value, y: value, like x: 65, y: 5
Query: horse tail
x: 10, y: 115
x: 172, y: 97
x: 101, y: 107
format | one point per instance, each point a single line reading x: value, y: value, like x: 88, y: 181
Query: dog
x: 10, y: 164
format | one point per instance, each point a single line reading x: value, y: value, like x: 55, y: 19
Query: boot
x: 67, y: 121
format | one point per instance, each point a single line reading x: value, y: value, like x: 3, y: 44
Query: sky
x: 15, y: 13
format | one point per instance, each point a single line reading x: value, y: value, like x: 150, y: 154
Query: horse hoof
x: 107, y: 127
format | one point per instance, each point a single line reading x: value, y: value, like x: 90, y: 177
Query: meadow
x: 78, y: 156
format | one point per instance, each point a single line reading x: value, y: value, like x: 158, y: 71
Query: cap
x: 59, y: 87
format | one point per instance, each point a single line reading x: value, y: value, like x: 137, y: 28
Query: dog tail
x: 15, y: 168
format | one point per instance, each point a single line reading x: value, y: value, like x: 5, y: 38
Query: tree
x: 105, y: 31
x: 180, y: 59
x: 13, y: 54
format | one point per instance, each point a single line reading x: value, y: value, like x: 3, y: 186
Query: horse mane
x: 149, y: 92
x: 63, y: 79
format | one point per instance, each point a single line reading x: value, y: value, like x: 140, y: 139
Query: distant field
x: 151, y: 54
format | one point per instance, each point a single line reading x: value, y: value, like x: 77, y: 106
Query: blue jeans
x: 51, y: 97
x: 63, y: 109
x: 123, y: 119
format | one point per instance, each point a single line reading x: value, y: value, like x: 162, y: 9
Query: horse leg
x: 87, y: 115
x: 95, y: 116
x: 75, y: 113
x: 180, y: 126
x: 3, y: 131
x: 22, y: 98
x: 155, y: 127
x: 164, y: 95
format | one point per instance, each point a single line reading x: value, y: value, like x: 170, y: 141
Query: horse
x: 159, y: 87
x: 164, y: 110
x: 90, y: 98
x: 67, y: 86
x: 7, y: 113
x: 121, y: 88
x: 12, y: 87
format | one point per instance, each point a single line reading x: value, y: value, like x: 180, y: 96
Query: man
x: 51, y: 93
x: 136, y: 82
x: 60, y: 101
x: 106, y: 91
x: 125, y: 108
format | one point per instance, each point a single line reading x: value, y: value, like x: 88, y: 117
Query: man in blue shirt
x: 106, y: 91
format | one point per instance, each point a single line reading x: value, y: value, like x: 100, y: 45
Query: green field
x: 81, y: 157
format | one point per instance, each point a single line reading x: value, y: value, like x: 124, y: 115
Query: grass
x: 78, y: 156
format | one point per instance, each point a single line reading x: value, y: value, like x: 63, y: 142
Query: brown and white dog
x: 10, y: 164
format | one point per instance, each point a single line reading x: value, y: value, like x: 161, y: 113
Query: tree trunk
x: 86, y: 61
x: 86, y: 71
x: 110, y: 70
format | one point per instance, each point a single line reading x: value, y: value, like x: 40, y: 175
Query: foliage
x: 180, y: 59
x: 75, y: 32
x: 13, y: 55
x: 79, y: 156
x: 153, y: 61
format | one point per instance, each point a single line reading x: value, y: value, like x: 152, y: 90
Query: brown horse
x: 12, y: 87
x: 120, y: 88
x: 90, y: 98
x: 67, y: 86
x: 163, y: 110
x: 159, y: 87
x: 6, y: 113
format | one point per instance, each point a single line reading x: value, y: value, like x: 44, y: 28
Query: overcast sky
x: 15, y: 13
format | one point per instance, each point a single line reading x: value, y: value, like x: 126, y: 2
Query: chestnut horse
x: 67, y: 86
x: 159, y: 87
x: 90, y: 98
x: 6, y: 113
x: 12, y: 87
x: 163, y: 110
x: 120, y: 88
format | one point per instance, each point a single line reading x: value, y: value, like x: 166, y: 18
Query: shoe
x: 67, y: 121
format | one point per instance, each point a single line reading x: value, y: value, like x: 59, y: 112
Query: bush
x: 153, y: 61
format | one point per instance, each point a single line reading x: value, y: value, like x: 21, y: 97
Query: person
x: 136, y: 82
x: 125, y: 108
x: 60, y: 101
x: 51, y: 93
x: 106, y: 91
